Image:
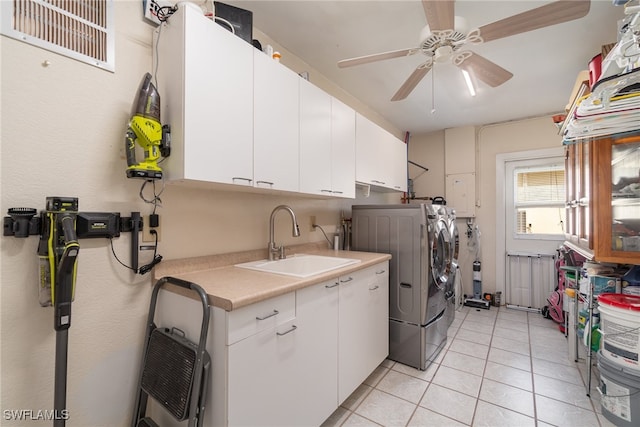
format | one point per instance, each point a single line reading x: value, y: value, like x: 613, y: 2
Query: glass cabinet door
x: 579, y: 225
x: 570, y: 187
x: 625, y: 197
x: 584, y: 212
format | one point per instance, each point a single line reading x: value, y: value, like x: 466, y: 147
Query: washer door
x: 441, y: 256
x: 455, y: 243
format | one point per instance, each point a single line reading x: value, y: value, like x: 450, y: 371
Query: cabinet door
x: 276, y: 125
x: 261, y: 391
x: 343, y: 150
x: 317, y: 370
x: 381, y: 158
x: 363, y: 327
x: 617, y: 204
x: 206, y: 84
x: 288, y: 375
x: 570, y: 188
x: 579, y: 226
x: 315, y: 140
x: 367, y: 143
x: 584, y: 223
x: 398, y: 166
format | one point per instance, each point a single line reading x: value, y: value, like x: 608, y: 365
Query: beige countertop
x: 230, y: 287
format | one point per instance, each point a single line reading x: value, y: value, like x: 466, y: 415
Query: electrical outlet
x: 312, y: 220
x: 151, y: 8
x: 147, y: 237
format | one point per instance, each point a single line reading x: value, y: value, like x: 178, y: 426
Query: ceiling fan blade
x: 540, y: 17
x: 439, y: 13
x: 410, y: 84
x: 375, y: 57
x: 485, y: 70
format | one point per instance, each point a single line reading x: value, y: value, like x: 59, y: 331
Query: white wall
x: 62, y: 135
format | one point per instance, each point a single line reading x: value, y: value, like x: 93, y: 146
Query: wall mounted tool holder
x: 25, y: 222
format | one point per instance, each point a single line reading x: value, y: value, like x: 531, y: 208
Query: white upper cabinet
x: 276, y: 125
x: 315, y: 140
x: 205, y: 79
x: 343, y: 149
x: 398, y: 165
x: 381, y: 158
x: 327, y: 144
x: 239, y: 118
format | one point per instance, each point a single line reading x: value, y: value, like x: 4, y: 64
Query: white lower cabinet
x: 287, y: 376
x: 363, y: 332
x: 289, y: 360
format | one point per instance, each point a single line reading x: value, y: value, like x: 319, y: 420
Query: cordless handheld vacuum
x: 474, y: 243
x: 145, y: 129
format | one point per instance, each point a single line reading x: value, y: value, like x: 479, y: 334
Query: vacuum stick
x: 63, y: 251
x: 60, y: 386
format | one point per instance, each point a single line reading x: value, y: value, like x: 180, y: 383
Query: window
x: 539, y: 200
x: 80, y: 29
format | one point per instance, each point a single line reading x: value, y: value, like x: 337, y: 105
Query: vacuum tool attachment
x: 19, y: 224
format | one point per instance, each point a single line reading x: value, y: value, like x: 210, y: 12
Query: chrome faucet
x: 273, y: 250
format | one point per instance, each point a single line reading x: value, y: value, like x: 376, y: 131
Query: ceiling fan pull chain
x: 433, y: 91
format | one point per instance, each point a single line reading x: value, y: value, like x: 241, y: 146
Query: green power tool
x: 146, y: 129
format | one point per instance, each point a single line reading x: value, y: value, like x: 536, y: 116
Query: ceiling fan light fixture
x: 467, y: 79
x: 443, y: 53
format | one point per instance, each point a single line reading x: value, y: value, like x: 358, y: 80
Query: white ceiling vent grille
x: 80, y: 29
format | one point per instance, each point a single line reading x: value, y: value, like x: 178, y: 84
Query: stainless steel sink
x: 299, y: 265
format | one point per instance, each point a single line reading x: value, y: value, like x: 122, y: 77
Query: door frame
x: 501, y: 160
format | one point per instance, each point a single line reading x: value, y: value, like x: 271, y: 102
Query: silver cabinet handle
x: 396, y: 186
x: 381, y: 272
x: 265, y: 182
x: 275, y: 312
x: 325, y: 191
x: 337, y: 192
x: 378, y: 182
x: 374, y: 288
x: 348, y: 279
x: 293, y: 328
x: 239, y: 178
x: 331, y: 286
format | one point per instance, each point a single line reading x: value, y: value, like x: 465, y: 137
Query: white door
x: 534, y: 216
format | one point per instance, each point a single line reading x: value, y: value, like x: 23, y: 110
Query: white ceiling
x: 544, y: 62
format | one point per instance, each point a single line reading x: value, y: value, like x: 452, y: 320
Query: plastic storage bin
x: 619, y: 393
x: 620, y: 327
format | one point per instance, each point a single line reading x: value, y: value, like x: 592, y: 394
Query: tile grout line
x: 484, y: 370
x: 533, y: 383
x: 444, y: 352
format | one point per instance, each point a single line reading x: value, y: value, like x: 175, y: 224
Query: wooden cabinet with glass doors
x: 616, y: 204
x: 578, y: 167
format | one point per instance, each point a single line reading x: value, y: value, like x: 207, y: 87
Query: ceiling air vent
x: 80, y: 29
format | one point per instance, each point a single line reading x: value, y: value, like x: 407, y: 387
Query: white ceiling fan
x: 444, y: 37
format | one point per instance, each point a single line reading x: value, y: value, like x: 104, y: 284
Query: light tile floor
x: 501, y: 367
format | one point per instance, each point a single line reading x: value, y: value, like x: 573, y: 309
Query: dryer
x: 418, y: 237
x: 450, y: 290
